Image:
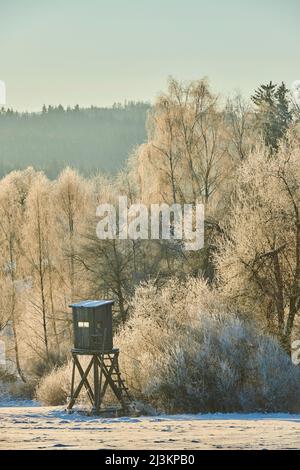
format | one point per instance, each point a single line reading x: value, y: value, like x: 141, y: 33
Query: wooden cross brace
x: 101, y: 370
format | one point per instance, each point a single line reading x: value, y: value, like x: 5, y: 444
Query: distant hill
x: 88, y: 139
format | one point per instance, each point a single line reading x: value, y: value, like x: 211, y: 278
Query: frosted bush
x: 54, y: 388
x: 182, y: 351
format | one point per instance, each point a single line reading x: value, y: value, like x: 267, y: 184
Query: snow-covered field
x: 30, y: 426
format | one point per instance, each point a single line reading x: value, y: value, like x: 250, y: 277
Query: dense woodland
x: 90, y: 140
x: 205, y: 330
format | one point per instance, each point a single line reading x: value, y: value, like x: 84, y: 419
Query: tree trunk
x: 16, y: 348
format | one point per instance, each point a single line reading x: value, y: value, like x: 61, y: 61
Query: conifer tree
x: 275, y: 115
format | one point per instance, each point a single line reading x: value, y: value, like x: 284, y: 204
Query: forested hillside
x: 87, y: 139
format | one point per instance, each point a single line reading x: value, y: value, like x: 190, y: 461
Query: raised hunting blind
x: 93, y: 336
x: 92, y: 325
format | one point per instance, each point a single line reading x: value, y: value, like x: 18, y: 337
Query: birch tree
x: 186, y: 142
x: 10, y: 252
x: 73, y: 199
x: 40, y: 245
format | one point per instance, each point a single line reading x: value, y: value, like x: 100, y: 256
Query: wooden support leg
x: 96, y: 385
x: 83, y: 381
x: 84, y: 376
x: 73, y: 377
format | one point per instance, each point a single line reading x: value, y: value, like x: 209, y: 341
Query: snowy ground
x: 33, y: 427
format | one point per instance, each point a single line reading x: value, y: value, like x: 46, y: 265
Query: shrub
x: 54, y: 388
x: 182, y: 351
x: 39, y: 367
x: 21, y: 390
x: 7, y: 376
x: 12, y: 387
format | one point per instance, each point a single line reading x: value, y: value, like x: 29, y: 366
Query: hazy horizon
x: 95, y: 52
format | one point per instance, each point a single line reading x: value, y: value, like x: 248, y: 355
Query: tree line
x: 89, y: 139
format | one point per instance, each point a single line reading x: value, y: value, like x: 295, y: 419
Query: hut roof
x: 92, y: 303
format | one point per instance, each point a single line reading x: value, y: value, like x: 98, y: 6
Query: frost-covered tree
x: 40, y: 251
x: 186, y: 152
x: 107, y: 264
x: 239, y: 118
x: 73, y: 203
x: 259, y: 259
x: 11, y: 259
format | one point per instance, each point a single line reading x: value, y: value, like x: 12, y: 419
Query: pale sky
x: 102, y: 51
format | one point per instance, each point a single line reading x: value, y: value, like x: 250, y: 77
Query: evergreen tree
x: 274, y: 112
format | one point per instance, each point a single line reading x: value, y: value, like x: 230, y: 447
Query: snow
x: 12, y: 403
x: 26, y: 425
